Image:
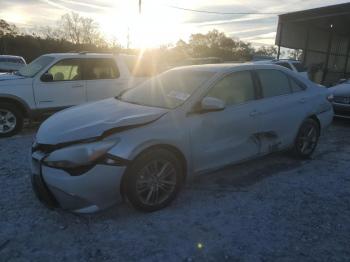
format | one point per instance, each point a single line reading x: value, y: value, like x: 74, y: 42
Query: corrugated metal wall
x: 326, y: 52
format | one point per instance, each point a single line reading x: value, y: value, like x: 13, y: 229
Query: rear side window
x: 284, y: 64
x: 234, y: 89
x: 100, y: 68
x: 273, y: 82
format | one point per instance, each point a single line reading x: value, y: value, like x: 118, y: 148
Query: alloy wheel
x: 8, y: 121
x: 156, y: 182
x: 307, y: 140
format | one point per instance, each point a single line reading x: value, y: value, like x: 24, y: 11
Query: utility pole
x: 128, y: 39
x: 140, y: 5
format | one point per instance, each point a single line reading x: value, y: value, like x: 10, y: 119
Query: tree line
x: 76, y: 33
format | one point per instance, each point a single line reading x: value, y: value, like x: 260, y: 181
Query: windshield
x: 34, y: 67
x: 168, y: 90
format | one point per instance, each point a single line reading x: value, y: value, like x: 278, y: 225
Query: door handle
x: 77, y: 85
x: 253, y: 113
x: 302, y: 100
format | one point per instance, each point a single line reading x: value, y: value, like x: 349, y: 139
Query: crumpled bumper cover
x: 92, y: 191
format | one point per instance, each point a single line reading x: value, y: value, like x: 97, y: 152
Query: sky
x: 160, y: 23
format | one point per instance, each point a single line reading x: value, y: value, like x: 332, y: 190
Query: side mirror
x: 210, y: 104
x: 47, y: 77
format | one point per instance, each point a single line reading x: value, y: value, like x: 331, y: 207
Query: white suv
x: 56, y: 81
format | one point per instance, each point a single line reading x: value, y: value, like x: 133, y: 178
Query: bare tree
x: 7, y: 29
x: 80, y: 30
x: 49, y: 32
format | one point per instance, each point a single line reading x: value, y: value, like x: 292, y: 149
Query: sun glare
x: 156, y: 25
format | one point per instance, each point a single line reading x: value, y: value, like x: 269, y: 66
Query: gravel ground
x: 273, y: 209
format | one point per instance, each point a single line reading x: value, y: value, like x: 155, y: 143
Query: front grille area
x: 342, y: 99
x: 46, y: 149
x: 341, y: 112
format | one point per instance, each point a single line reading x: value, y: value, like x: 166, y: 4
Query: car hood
x: 11, y: 79
x: 341, y: 90
x: 93, y: 120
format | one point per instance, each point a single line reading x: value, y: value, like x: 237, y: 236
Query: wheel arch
x: 314, y: 117
x: 18, y: 102
x: 177, y: 152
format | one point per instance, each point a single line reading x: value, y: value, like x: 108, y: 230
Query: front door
x: 66, y: 89
x: 228, y: 136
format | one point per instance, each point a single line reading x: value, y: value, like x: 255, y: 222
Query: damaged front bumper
x: 94, y: 190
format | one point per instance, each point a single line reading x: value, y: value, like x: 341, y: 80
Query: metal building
x: 323, y: 34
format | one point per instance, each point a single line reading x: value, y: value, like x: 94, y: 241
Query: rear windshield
x: 300, y: 67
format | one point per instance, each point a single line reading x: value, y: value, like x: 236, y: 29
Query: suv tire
x: 11, y: 120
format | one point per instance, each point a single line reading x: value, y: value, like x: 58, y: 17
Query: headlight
x: 330, y: 97
x: 79, y: 155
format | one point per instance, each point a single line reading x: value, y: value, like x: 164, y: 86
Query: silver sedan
x: 141, y: 145
x: 341, y: 101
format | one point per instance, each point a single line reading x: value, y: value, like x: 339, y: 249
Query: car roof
x: 85, y: 54
x: 287, y: 60
x: 228, y: 67
x: 276, y: 61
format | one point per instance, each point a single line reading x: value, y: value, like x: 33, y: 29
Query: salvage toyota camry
x: 141, y: 145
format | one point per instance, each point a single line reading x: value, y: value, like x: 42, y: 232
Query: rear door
x: 282, y: 109
x: 66, y: 89
x: 102, y: 78
x: 227, y: 136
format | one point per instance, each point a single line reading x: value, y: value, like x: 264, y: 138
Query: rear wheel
x: 307, y: 139
x: 153, y: 180
x: 11, y: 120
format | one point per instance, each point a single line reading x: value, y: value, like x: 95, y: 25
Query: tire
x: 153, y: 180
x: 307, y: 139
x: 11, y: 120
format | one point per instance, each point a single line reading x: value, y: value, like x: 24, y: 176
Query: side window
x: 284, y: 64
x: 66, y: 70
x: 273, y: 82
x: 100, y: 68
x: 296, y: 86
x: 234, y: 89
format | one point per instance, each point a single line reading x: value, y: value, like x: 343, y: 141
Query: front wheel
x: 153, y: 180
x: 307, y: 139
x: 11, y: 120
